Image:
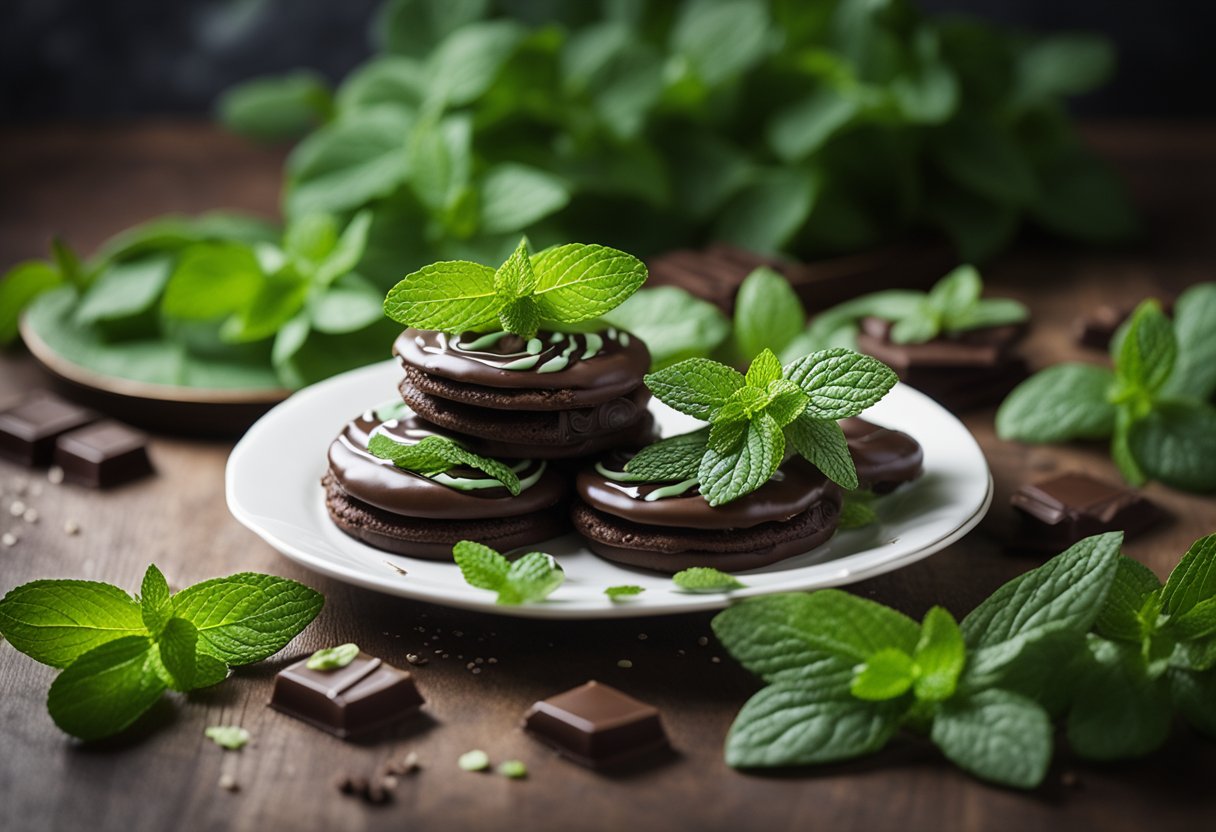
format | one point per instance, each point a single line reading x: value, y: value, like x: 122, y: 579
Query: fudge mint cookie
x: 444, y: 495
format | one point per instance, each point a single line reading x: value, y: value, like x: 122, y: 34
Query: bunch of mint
x: 752, y: 417
x: 1154, y: 406
x: 220, y: 301
x: 563, y: 285
x: 845, y: 674
x: 813, y: 128
x: 119, y: 654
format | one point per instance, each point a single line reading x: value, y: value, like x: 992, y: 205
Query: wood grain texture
x: 88, y: 183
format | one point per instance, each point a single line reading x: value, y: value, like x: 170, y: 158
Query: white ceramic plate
x: 273, y: 487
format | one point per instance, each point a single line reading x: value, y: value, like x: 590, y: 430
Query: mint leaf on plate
x: 480, y: 565
x: 696, y: 386
x: 623, y: 591
x: 674, y: 458
x: 532, y: 577
x: 822, y: 443
x: 726, y: 476
x: 705, y: 579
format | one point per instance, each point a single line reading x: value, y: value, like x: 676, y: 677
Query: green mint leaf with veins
x: 1114, y: 688
x: 154, y: 605
x: 1176, y: 444
x: 178, y: 648
x: 452, y: 296
x: 840, y: 383
x: 1062, y: 402
x: 726, y: 476
x: 436, y: 454
x: 1120, y: 617
x: 532, y: 577
x: 231, y: 737
x: 726, y: 433
x: 333, y: 658
x: 997, y: 736
x: 56, y: 622
x: 521, y: 317
x: 939, y: 656
x: 106, y: 689
x: 822, y: 443
x: 768, y: 314
x: 887, y: 674
x: 623, y: 591
x: 1194, y: 373
x: 674, y: 458
x: 1063, y: 595
x: 696, y: 386
x: 1193, y: 580
x: 786, y: 401
x: 765, y: 367
x: 578, y: 282
x: 1194, y: 695
x: 516, y: 278
x: 1146, y: 354
x: 346, y: 254
x: 247, y: 617
x: 705, y: 579
x: 955, y: 295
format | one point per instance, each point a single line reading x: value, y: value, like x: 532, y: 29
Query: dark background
x: 65, y: 59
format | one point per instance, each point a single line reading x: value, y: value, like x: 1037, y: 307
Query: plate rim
x: 695, y: 604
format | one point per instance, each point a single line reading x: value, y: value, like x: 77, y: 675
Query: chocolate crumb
x: 390, y: 782
x: 703, y: 641
x: 71, y: 527
x: 9, y: 539
x: 415, y: 659
x: 30, y: 516
x: 625, y: 663
x: 228, y: 783
x: 16, y: 508
x: 54, y: 475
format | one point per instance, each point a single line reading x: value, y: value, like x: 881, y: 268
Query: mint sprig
x: 705, y: 579
x: 532, y: 577
x: 1152, y: 406
x: 845, y: 674
x: 623, y: 591
x: 119, y: 655
x: 563, y: 285
x: 754, y: 417
x: 437, y: 454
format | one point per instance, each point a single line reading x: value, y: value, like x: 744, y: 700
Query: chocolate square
x: 362, y: 696
x: 103, y: 454
x: 28, y: 429
x: 1058, y: 512
x: 597, y: 725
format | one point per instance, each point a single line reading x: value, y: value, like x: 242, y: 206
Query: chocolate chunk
x: 1058, y: 512
x: 28, y: 429
x: 597, y: 725
x: 103, y: 454
x: 362, y: 696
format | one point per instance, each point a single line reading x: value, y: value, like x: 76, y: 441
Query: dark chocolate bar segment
x: 103, y: 454
x: 348, y: 701
x: 597, y: 725
x: 29, y: 428
x: 1058, y: 512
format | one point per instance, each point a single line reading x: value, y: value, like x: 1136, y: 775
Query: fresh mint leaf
x: 1119, y: 618
x: 764, y: 368
x: 839, y: 382
x: 177, y: 644
x: 727, y: 431
x: 230, y: 737
x: 726, y: 476
x: 939, y: 657
x: 956, y: 294
x: 1196, y: 623
x: 441, y: 160
x: 577, y: 282
x: 246, y: 617
x: 623, y: 591
x: 349, y: 305
x: 532, y: 577
x: 989, y: 312
x: 696, y: 386
x: 105, y: 689
x: 452, y: 296
x: 309, y: 239
x: 123, y: 291
x: 822, y: 443
x: 887, y: 674
x: 521, y: 317
x: 776, y: 638
x: 1113, y: 688
x: 1121, y: 451
x: 279, y: 108
x: 212, y: 280
x: 333, y: 658
x: 721, y: 40
x: 1062, y: 402
x: 1176, y: 444
x: 705, y: 579
x: 768, y: 314
x: 1194, y: 374
x: 674, y: 324
x: 18, y: 287
x: 924, y: 325
x: 475, y: 760
x: 674, y: 458
x: 464, y: 65
x: 997, y: 736
x: 1063, y: 64
x: 56, y: 622
x: 347, y: 252
x: 856, y: 514
x: 436, y: 454
x: 413, y: 27
x: 769, y: 211
x: 154, y: 605
x: 799, y: 723
x: 515, y: 278
x: 515, y: 196
x: 800, y: 128
x: 1194, y: 695
x: 1193, y: 580
x: 1147, y: 351
x: 1065, y: 594
x: 481, y: 566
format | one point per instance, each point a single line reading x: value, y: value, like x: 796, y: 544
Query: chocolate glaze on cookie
x: 885, y: 458
x: 792, y: 513
x: 587, y: 368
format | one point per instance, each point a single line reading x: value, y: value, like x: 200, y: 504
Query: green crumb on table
x: 706, y: 579
x: 333, y: 658
x: 232, y: 737
x: 475, y: 760
x: 514, y: 769
x: 624, y: 591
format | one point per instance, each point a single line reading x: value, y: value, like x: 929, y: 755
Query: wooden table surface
x: 89, y: 182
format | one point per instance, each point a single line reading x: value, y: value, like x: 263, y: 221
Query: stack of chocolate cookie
x: 525, y: 403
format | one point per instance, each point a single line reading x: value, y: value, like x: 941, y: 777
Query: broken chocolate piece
x: 348, y: 701
x: 597, y: 725
x: 884, y: 458
x: 103, y: 454
x: 29, y: 428
x: 1058, y: 512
